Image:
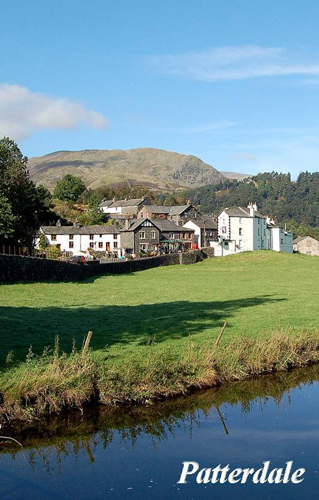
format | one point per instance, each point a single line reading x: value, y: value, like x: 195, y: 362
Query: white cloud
x: 23, y: 112
x: 234, y: 63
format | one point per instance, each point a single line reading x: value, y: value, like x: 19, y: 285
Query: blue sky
x: 235, y: 82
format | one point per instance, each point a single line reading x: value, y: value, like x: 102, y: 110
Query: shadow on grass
x: 111, y: 325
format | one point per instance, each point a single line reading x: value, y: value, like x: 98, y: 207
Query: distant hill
x: 155, y: 168
x: 235, y: 176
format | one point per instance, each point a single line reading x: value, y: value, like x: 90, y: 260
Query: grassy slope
x: 257, y: 292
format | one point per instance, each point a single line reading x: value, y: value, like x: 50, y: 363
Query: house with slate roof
x: 127, y: 206
x: 205, y: 230
x: 245, y: 229
x: 178, y: 214
x: 76, y: 240
x: 148, y: 235
x: 306, y: 245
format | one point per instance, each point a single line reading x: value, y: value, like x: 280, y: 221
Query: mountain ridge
x: 157, y: 169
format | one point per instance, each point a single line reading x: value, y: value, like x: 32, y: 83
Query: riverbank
x: 47, y: 385
x: 154, y: 332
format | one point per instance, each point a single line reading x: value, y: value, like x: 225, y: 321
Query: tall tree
x: 21, y: 207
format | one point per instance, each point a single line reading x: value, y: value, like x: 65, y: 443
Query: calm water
x: 139, y: 454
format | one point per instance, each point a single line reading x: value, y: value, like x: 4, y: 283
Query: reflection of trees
x: 75, y: 434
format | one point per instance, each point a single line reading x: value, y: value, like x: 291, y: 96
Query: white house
x: 205, y: 230
x: 77, y: 240
x: 245, y: 229
x: 127, y: 206
x: 280, y: 239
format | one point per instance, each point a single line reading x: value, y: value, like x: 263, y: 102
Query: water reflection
x: 75, y: 434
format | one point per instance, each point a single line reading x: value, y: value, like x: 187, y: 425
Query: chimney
x: 251, y: 209
x: 268, y: 219
x: 58, y: 223
x: 127, y: 222
x: 114, y: 200
x: 189, y: 202
x: 255, y: 206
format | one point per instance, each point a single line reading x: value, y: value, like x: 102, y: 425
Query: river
x: 137, y: 453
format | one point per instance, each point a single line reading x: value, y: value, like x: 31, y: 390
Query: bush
x: 52, y: 252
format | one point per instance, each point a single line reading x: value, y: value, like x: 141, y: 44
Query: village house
x: 146, y: 235
x: 306, y: 245
x: 205, y: 231
x: 127, y: 206
x: 178, y: 213
x: 245, y: 229
x: 76, y: 240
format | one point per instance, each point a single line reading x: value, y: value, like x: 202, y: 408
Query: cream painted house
x: 77, y: 240
x: 245, y: 230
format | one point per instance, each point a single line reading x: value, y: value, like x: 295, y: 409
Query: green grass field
x: 255, y: 292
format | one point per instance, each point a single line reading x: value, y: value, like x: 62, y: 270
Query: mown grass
x: 255, y: 292
x: 154, y: 331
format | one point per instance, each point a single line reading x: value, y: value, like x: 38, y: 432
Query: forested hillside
x: 293, y: 202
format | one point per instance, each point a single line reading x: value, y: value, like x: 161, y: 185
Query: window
x: 53, y: 237
x: 142, y: 235
x: 240, y: 231
x: 240, y: 220
x: 91, y: 244
x: 115, y: 244
x: 71, y: 244
x: 143, y: 246
x: 91, y: 236
x: 224, y: 229
x: 100, y: 244
x: 258, y: 232
x: 153, y: 235
x: 101, y: 235
x: 71, y: 236
x: 115, y: 236
x: 282, y: 241
x: 171, y: 235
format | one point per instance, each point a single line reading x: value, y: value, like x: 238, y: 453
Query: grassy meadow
x: 254, y: 292
x: 160, y: 317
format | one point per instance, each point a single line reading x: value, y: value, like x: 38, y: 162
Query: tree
x: 42, y: 242
x: 69, y: 188
x: 7, y: 219
x: 21, y: 207
x: 96, y: 216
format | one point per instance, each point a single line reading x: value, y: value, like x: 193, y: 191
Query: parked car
x: 77, y: 259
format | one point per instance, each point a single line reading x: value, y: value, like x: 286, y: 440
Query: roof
x: 162, y: 225
x: 127, y: 203
x: 169, y: 225
x: 105, y: 203
x: 300, y: 238
x: 158, y: 209
x: 242, y: 212
x: 79, y: 230
x: 204, y: 223
x: 179, y: 209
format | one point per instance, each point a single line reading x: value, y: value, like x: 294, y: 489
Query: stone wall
x: 16, y: 268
